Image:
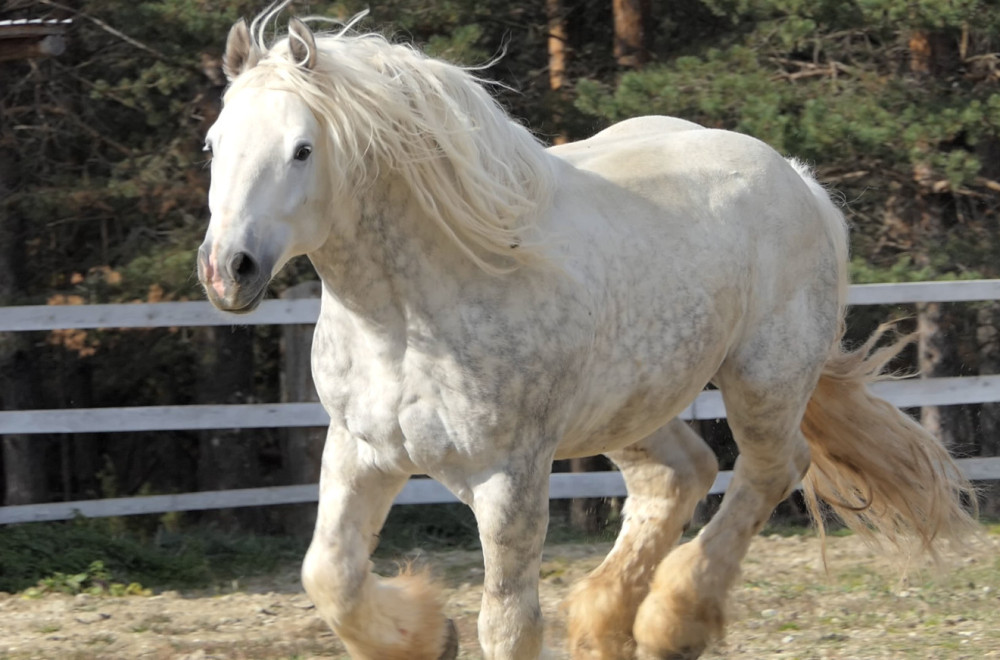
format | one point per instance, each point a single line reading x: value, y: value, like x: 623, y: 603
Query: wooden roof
x: 23, y: 38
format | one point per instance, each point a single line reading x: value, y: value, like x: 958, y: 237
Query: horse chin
x: 238, y: 303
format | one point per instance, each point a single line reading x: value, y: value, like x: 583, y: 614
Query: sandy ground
x: 785, y: 607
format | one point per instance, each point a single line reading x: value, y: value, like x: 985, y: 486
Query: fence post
x: 302, y: 447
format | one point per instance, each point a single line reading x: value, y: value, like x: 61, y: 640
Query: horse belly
x: 650, y: 379
x: 632, y: 420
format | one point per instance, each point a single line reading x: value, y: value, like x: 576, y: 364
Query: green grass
x: 435, y: 527
x: 62, y: 556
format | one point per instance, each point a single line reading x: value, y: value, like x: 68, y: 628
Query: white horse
x: 489, y: 305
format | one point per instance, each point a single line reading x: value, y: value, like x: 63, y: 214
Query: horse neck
x: 391, y: 262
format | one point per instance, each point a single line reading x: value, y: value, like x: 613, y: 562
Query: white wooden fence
x: 907, y: 393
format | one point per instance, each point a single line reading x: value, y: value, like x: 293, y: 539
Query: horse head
x: 269, y: 191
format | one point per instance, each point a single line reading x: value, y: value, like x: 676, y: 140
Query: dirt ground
x: 785, y: 607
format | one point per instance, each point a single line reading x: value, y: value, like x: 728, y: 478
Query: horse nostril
x: 243, y: 267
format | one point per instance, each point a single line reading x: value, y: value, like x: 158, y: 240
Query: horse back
x: 724, y: 208
x: 693, y: 240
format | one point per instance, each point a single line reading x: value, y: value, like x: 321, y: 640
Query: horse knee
x: 332, y: 581
x: 775, y: 478
x: 690, y: 465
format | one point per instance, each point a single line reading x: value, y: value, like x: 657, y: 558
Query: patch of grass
x: 62, y: 557
x: 96, y: 581
x: 228, y: 557
x: 428, y: 527
x: 561, y: 531
x: 102, y: 639
x: 786, y: 530
x: 453, y: 527
x: 861, y: 577
x: 155, y: 624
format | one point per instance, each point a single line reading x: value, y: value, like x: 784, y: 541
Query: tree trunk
x: 302, y: 449
x: 558, y: 56
x: 84, y: 450
x: 228, y: 458
x: 23, y: 455
x: 938, y: 358
x: 931, y: 55
x: 934, y: 351
x: 988, y: 340
x: 558, y: 52
x: 25, y: 477
x: 632, y: 18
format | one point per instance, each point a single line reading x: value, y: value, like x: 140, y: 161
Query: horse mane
x: 386, y: 107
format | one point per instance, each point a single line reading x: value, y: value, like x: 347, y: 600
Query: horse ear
x: 302, y: 43
x: 241, y: 51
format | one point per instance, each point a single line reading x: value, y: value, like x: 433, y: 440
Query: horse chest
x: 356, y: 383
x: 434, y: 401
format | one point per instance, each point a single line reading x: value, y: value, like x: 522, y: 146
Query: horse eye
x: 302, y: 153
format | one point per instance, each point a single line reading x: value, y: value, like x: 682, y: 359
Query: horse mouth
x: 252, y: 305
x: 238, y: 303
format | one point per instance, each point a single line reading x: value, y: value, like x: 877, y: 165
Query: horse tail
x: 874, y: 466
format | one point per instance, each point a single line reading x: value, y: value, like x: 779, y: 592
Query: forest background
x: 103, y: 187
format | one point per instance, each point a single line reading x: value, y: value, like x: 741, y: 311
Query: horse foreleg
x: 666, y: 474
x: 684, y: 610
x: 398, y: 618
x: 512, y: 509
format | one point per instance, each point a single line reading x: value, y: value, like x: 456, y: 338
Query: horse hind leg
x: 765, y: 399
x: 667, y: 474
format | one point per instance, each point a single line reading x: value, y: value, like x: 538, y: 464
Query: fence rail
x: 562, y: 485
x: 708, y: 405
x: 306, y: 311
x: 901, y: 393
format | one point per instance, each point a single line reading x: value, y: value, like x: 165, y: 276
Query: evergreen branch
x: 107, y: 28
x: 121, y: 35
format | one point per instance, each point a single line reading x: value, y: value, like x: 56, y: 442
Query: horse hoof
x: 683, y: 653
x: 451, y: 643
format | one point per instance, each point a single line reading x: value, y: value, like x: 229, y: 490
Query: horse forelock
x: 386, y: 107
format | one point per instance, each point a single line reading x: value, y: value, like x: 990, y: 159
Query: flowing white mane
x: 388, y: 108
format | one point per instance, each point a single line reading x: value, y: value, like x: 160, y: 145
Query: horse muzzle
x: 235, y: 282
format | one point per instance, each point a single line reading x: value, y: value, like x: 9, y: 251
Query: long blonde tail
x: 875, y: 467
